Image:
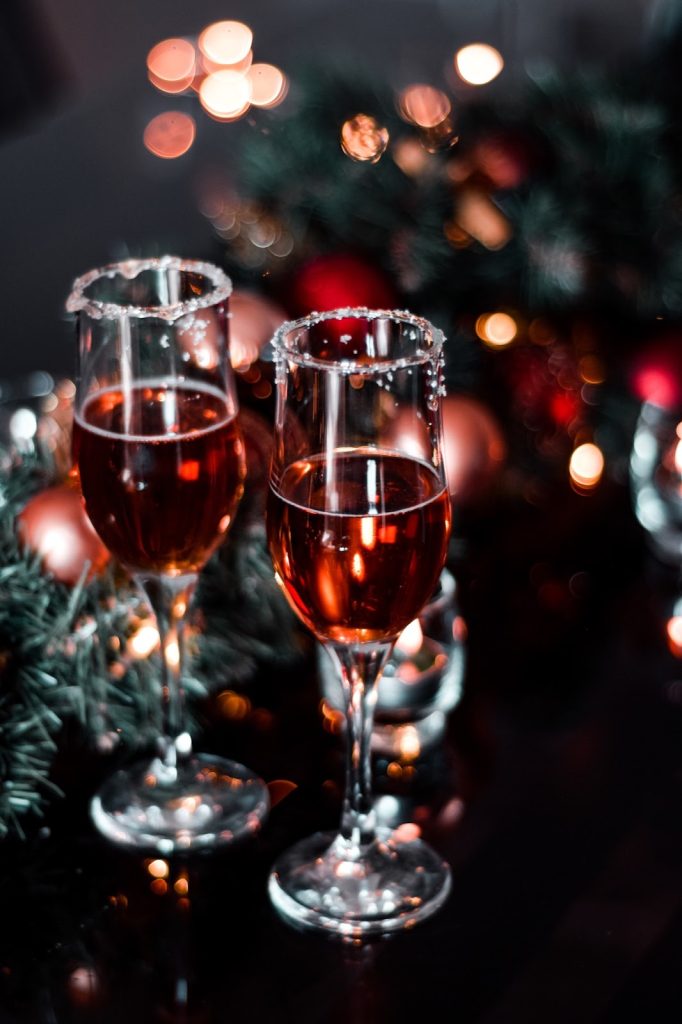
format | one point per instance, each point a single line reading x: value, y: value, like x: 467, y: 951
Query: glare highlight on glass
x: 170, y: 135
x: 478, y: 63
x: 586, y: 466
x: 364, y: 139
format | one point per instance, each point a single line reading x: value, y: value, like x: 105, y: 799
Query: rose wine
x: 358, y: 541
x: 162, y: 469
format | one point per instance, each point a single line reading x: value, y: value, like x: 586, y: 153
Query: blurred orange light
x: 170, y: 135
x: 410, y: 156
x: 478, y: 63
x: 496, y: 329
x: 268, y: 85
x: 423, y: 105
x: 225, y: 95
x: 674, y: 631
x: 364, y: 139
x: 171, y: 64
x: 242, y: 65
x: 226, y: 42
x: 143, y: 641
x: 586, y: 466
x: 158, y: 868
x: 479, y: 217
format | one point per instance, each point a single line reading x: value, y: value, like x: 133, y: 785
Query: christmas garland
x: 65, y: 653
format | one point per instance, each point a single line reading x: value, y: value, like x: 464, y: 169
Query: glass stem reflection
x: 169, y: 597
x: 359, y: 666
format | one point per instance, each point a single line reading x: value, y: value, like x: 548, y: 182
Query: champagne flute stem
x: 169, y: 597
x: 359, y: 666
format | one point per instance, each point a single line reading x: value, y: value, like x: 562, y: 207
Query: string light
x: 364, y: 139
x: 225, y: 42
x: 170, y: 135
x: 225, y: 95
x: 171, y: 65
x: 424, y: 105
x: 496, y: 329
x: 478, y: 63
x: 586, y: 466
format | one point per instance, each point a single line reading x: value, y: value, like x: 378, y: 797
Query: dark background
x: 77, y: 187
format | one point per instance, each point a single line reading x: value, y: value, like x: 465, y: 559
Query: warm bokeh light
x: 478, y: 63
x: 143, y: 641
x: 233, y: 705
x: 586, y: 466
x: 409, y: 746
x: 678, y: 448
x: 364, y: 139
x: 243, y: 65
x: 496, y: 329
x: 225, y: 95
x: 423, y: 105
x: 172, y: 653
x: 170, y: 135
x: 410, y: 156
x: 226, y: 42
x: 158, y: 868
x: 674, y: 633
x: 171, y: 65
x: 479, y: 217
x: 268, y: 85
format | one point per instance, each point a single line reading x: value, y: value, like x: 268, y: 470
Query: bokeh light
x: 225, y: 95
x: 170, y: 135
x: 496, y: 329
x: 226, y: 42
x: 424, y: 105
x: 478, y: 63
x: 586, y: 466
x: 364, y: 139
x: 479, y: 217
x: 674, y: 634
x: 269, y: 85
x: 143, y: 641
x: 171, y: 65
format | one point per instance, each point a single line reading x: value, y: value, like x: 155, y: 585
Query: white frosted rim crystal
x: 427, y: 347
x: 78, y: 302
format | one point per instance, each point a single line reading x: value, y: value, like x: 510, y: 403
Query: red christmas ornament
x: 54, y: 525
x: 656, y: 375
x: 339, y: 280
x: 474, y: 449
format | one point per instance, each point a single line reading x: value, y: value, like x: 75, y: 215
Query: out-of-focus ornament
x: 364, y: 139
x: 53, y: 524
x: 656, y: 375
x: 504, y: 159
x: 474, y: 448
x: 257, y: 435
x: 339, y: 280
x: 253, y: 321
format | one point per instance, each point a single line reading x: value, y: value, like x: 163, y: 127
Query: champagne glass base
x: 395, y: 883
x: 204, y: 803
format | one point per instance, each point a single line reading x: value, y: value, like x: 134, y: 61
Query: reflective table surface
x: 555, y: 795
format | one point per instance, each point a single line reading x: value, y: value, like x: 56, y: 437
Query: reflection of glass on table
x: 422, y: 681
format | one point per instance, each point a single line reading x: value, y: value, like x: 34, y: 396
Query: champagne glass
x: 161, y: 464
x: 358, y: 526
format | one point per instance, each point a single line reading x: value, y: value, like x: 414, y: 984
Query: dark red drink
x: 358, y: 541
x: 161, y: 471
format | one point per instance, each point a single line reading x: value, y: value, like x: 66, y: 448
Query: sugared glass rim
x: 78, y: 302
x: 433, y: 337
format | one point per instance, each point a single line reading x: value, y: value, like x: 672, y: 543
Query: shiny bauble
x: 54, y: 525
x: 474, y: 448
